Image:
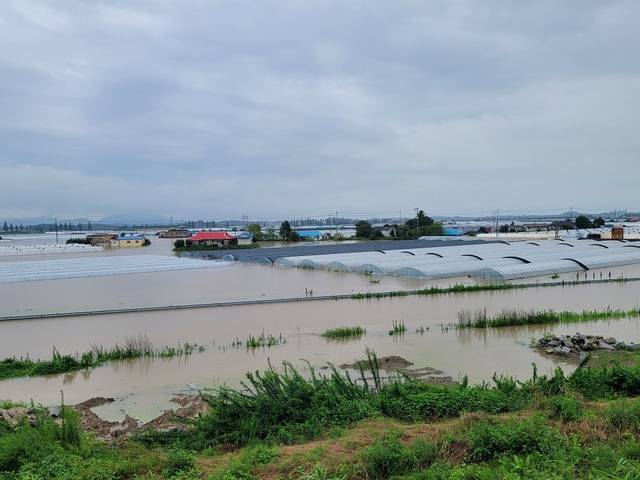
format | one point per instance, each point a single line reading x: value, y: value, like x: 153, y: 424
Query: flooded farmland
x: 143, y: 388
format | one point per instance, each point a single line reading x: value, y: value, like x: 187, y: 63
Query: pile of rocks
x: 578, y: 344
x: 14, y: 415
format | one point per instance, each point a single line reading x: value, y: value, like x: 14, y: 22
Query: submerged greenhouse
x: 96, y: 266
x: 487, y: 260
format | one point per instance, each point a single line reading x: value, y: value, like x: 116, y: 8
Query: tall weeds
x: 133, y: 347
x: 518, y: 317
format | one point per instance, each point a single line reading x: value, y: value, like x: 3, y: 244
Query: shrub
x: 46, y: 439
x: 606, y: 382
x: 624, y: 414
x: 516, y: 437
x: 283, y: 407
x: 389, y: 457
x: 178, y: 460
x: 567, y: 409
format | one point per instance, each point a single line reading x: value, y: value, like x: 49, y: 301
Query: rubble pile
x: 579, y: 344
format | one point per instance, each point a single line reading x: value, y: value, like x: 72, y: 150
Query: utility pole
x: 417, y: 224
x: 56, y: 219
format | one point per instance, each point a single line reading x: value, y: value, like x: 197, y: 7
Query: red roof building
x: 217, y: 239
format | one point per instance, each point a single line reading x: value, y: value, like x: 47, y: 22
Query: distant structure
x: 175, y: 233
x: 213, y: 239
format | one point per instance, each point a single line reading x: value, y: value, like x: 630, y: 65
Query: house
x: 213, y: 239
x: 311, y: 235
x: 101, y: 239
x: 128, y: 241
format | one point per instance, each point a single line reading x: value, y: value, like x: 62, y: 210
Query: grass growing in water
x: 134, y: 347
x: 398, y: 328
x: 344, y: 332
x: 517, y: 317
x: 263, y: 340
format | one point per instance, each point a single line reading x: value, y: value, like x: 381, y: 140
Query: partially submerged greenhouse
x: 96, y: 266
x: 489, y: 260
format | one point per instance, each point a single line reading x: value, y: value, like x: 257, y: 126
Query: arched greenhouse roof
x: 524, y: 270
x: 28, y: 271
x: 446, y: 270
x: 437, y: 259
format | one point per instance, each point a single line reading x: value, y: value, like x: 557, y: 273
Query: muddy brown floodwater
x: 143, y: 388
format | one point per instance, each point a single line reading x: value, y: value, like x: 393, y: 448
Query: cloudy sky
x: 211, y: 109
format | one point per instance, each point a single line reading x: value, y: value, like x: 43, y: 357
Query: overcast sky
x: 211, y: 109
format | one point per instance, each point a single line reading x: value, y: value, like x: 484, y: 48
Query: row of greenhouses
x: 96, y: 266
x: 495, y: 260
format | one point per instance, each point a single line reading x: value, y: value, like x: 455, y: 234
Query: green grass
x: 344, y: 332
x: 368, y: 428
x: 262, y: 341
x: 133, y: 347
x: 462, y: 288
x: 517, y: 317
x: 398, y: 328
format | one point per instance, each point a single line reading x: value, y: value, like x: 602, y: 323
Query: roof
x: 434, y: 259
x: 130, y: 237
x: 310, y: 233
x: 200, y: 236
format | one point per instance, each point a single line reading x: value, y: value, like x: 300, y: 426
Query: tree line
x: 46, y: 227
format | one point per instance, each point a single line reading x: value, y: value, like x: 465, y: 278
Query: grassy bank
x: 282, y: 424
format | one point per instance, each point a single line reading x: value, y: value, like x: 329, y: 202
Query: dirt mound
x: 189, y: 407
x: 394, y: 363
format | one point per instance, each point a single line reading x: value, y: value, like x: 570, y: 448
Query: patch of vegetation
x: 517, y: 317
x: 398, y: 328
x: 364, y: 428
x: 81, y: 241
x: 133, y: 347
x: 262, y: 341
x: 343, y: 332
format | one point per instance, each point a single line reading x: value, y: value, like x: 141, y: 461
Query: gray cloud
x: 283, y: 109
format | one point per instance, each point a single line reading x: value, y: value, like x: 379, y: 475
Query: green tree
x: 5, y: 227
x: 285, y: 230
x: 421, y: 220
x: 598, y: 222
x: 89, y: 227
x: 363, y: 229
x: 178, y: 243
x: 583, y: 222
x: 434, y: 230
x: 256, y: 230
x: 270, y: 235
